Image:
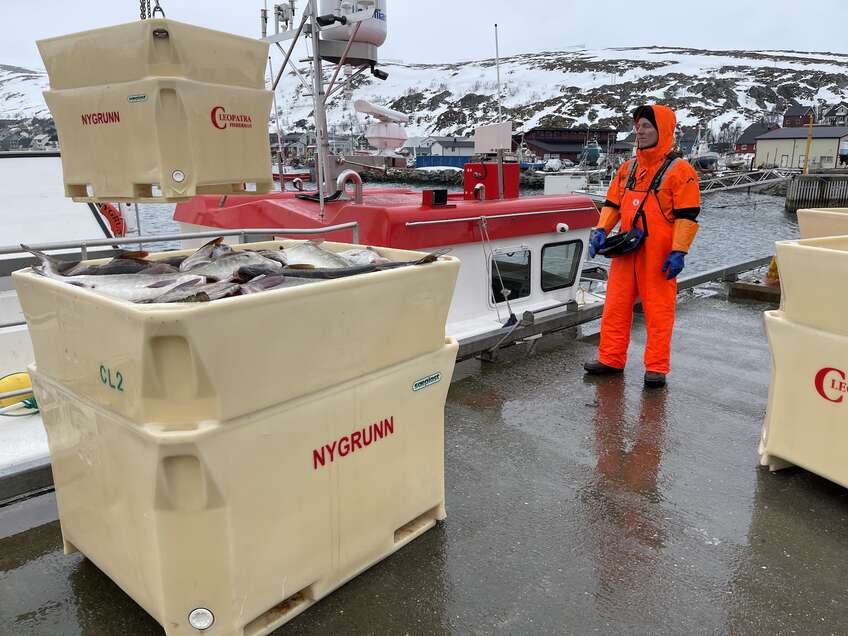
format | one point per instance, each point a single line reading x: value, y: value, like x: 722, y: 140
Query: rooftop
x: 832, y: 109
x: 455, y: 142
x: 819, y: 132
x: 574, y: 506
x: 797, y: 111
x: 750, y: 134
x: 574, y: 146
x: 573, y: 128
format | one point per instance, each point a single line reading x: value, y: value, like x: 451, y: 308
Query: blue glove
x: 596, y: 241
x: 673, y: 264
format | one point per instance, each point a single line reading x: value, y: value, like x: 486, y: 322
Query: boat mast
x: 500, y: 117
x: 322, y: 146
x: 345, y: 51
x: 498, y: 66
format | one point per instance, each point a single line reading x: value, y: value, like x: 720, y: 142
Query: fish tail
x: 48, y: 263
x: 432, y: 257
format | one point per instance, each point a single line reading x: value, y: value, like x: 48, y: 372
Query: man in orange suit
x: 656, y: 199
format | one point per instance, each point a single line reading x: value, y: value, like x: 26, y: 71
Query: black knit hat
x: 645, y: 112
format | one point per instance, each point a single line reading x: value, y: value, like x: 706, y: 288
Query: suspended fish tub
x: 159, y: 111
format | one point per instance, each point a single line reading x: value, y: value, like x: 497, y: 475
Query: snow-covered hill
x: 715, y: 89
x: 20, y: 93
x: 711, y: 88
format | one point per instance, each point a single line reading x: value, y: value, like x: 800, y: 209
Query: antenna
x: 498, y: 65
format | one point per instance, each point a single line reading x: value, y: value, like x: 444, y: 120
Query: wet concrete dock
x: 574, y: 507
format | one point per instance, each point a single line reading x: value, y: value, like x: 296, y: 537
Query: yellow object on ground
x: 808, y: 338
x: 158, y: 110
x: 773, y: 270
x: 15, y: 382
x: 238, y: 460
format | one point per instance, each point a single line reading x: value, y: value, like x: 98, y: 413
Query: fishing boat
x: 290, y: 173
x: 701, y: 157
x: 519, y: 254
x: 737, y: 161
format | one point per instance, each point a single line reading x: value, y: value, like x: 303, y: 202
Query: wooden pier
x: 817, y: 191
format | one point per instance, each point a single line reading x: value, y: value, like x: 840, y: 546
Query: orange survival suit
x: 671, y: 212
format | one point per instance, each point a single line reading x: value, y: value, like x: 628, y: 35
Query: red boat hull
x: 392, y: 217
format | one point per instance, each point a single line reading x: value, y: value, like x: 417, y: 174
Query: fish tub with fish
x: 236, y: 460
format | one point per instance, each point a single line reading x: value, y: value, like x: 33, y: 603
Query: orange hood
x: 666, y: 123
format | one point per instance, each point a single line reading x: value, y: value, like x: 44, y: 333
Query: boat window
x: 514, y: 279
x: 560, y: 262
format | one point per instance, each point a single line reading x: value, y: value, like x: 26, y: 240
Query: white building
x: 41, y: 142
x: 836, y: 115
x: 452, y: 147
x: 786, y: 147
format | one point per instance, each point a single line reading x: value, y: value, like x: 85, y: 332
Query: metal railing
x: 162, y: 238
x: 495, y: 217
x: 159, y: 238
x: 744, y: 180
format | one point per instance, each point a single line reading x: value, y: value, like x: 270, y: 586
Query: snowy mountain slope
x: 715, y: 89
x: 20, y: 93
x: 711, y: 88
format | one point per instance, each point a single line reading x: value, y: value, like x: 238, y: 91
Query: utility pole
x: 809, y: 145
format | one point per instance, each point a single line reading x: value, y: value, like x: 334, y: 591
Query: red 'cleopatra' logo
x: 222, y: 120
x: 832, y: 384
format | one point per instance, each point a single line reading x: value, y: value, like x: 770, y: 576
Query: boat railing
x: 10, y: 265
x: 243, y: 234
x: 494, y: 217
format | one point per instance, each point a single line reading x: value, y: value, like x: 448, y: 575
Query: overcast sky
x: 452, y: 30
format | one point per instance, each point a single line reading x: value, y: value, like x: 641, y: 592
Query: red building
x: 796, y: 116
x: 748, y: 141
x: 568, y: 143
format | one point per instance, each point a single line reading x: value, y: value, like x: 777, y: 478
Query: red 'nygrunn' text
x: 358, y: 440
x: 95, y: 119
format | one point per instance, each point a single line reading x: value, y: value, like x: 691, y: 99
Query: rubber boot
x: 654, y: 380
x: 596, y: 367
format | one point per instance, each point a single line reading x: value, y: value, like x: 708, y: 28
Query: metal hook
x: 159, y: 9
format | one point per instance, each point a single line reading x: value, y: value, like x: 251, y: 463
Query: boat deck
x: 574, y: 506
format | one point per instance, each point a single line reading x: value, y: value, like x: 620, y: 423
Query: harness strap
x: 631, y: 179
x: 654, y: 187
x: 658, y: 177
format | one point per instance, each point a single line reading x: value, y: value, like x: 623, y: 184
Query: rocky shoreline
x: 529, y: 181
x: 447, y: 178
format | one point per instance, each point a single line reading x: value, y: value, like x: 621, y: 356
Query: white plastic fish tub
x: 819, y: 222
x: 813, y: 274
x: 805, y: 422
x: 179, y: 365
x: 150, y: 48
x: 253, y: 519
x: 186, y: 138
